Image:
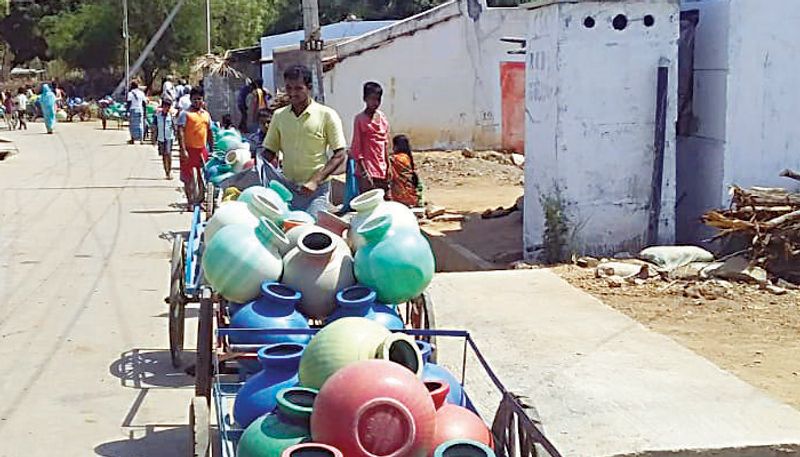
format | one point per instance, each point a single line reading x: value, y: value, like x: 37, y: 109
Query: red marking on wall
x: 512, y: 89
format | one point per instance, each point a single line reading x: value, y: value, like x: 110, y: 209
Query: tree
x: 239, y: 23
x: 88, y: 37
x: 20, y: 29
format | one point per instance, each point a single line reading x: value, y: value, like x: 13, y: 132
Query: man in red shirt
x: 370, y: 144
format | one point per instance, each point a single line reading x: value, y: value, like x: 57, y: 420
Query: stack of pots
x: 358, y: 387
x: 357, y: 391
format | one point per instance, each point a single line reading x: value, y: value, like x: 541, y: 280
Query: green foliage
x: 89, y: 37
x: 556, y: 227
x: 87, y: 34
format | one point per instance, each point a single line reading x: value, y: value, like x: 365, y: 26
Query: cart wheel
x: 421, y: 316
x: 177, y: 302
x: 205, y: 327
x: 199, y: 424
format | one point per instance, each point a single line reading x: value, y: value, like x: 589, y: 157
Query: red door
x: 512, y: 89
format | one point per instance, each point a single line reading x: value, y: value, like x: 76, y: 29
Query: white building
x: 441, y: 73
x: 746, y: 105
x: 590, y: 128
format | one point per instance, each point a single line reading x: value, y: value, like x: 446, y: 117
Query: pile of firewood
x: 769, y: 220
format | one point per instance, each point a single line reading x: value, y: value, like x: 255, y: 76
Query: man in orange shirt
x: 194, y: 133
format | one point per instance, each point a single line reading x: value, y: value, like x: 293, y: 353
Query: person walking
x: 165, y: 132
x: 256, y: 102
x: 8, y: 109
x: 241, y: 103
x: 168, y: 89
x: 303, y: 132
x: 21, y: 102
x: 194, y: 133
x: 47, y: 101
x: 370, y: 144
x: 405, y: 183
x: 137, y: 101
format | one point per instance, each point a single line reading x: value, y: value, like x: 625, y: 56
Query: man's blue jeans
x: 312, y: 204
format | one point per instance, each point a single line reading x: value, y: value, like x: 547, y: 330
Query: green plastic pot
x: 396, y: 262
x: 352, y: 339
x: 271, y: 434
x: 239, y: 258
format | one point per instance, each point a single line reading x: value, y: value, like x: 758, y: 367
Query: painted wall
x: 746, y: 103
x: 440, y: 72
x: 590, y: 101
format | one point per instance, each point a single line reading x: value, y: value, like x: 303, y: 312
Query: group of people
x: 302, y: 133
x: 303, y: 144
x: 15, y: 107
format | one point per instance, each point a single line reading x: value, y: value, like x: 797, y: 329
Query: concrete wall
x: 590, y: 101
x: 746, y: 103
x: 440, y: 71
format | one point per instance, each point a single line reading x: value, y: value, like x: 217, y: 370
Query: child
x: 22, y: 107
x: 370, y: 145
x: 194, y: 132
x: 165, y: 134
x: 405, y: 184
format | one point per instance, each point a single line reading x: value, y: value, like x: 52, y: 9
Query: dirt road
x: 85, y: 222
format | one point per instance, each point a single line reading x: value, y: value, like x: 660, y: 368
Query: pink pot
x: 375, y: 408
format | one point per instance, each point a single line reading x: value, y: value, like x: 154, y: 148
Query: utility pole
x: 127, y: 37
x: 208, y: 26
x: 147, y: 49
x: 312, y: 45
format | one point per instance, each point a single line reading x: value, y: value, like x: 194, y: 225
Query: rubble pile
x: 768, y: 221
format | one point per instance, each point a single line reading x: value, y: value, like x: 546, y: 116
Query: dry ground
x: 748, y: 331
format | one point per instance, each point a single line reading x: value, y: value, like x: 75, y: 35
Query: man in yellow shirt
x: 304, y: 132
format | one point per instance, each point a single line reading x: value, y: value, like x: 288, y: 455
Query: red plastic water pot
x: 457, y: 423
x: 375, y: 408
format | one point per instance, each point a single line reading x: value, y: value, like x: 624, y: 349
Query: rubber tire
x: 200, y: 427
x: 177, y: 301
x: 203, y: 364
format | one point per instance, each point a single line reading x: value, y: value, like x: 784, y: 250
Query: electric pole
x: 208, y: 26
x: 312, y: 45
x: 127, y: 37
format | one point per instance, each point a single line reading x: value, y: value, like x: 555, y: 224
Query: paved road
x: 84, y: 245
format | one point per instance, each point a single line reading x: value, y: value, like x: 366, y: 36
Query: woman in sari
x: 405, y: 185
x: 48, y: 103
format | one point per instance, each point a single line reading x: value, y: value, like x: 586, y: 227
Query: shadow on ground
x: 149, y: 441
x: 498, y: 240
x: 148, y: 368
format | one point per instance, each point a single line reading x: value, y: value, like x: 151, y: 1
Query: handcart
x: 515, y: 426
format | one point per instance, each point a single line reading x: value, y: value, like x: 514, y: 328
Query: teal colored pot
x: 239, y: 258
x: 258, y: 396
x: 463, y: 448
x: 275, y: 308
x: 271, y: 202
x: 300, y: 216
x: 216, y: 180
x: 352, y: 339
x: 230, y: 213
x: 370, y: 205
x: 397, y: 262
x: 271, y: 434
x: 360, y: 301
x: 276, y: 192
